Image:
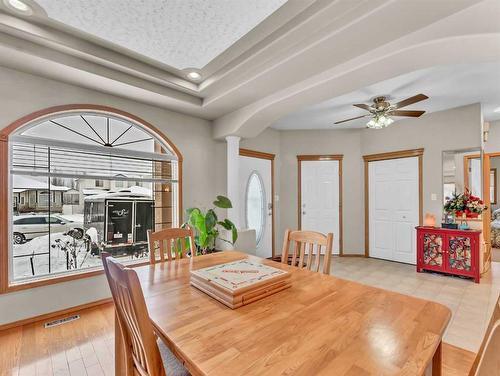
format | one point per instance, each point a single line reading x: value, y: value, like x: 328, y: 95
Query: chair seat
x: 172, y: 365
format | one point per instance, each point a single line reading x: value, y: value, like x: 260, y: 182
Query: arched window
x: 84, y: 180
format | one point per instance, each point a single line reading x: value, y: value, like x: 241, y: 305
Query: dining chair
x: 487, y: 362
x: 170, y: 242
x: 313, y: 242
x: 144, y: 354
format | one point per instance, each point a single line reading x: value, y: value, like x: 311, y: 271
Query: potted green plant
x: 207, y: 225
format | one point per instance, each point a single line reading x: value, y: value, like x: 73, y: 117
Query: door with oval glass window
x: 256, y: 201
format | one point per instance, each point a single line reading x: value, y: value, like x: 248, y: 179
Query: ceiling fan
x: 381, y: 111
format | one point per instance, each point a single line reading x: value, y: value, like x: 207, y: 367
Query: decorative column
x: 233, y: 157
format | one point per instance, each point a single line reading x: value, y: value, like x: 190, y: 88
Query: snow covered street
x: 38, y: 250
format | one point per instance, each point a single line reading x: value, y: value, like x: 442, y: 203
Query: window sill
x: 51, y: 280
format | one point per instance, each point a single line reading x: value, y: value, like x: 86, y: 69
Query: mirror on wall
x: 461, y: 170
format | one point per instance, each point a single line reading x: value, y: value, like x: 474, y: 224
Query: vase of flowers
x: 465, y: 205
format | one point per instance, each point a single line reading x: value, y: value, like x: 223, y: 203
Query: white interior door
x: 320, y: 200
x: 256, y: 201
x: 393, y: 209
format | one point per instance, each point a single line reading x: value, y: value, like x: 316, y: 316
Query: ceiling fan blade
x: 354, y: 118
x: 363, y: 106
x: 410, y: 113
x: 411, y: 100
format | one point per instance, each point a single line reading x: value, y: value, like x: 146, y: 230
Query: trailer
x: 121, y: 220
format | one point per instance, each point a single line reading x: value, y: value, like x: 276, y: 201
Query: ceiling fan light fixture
x: 379, y: 122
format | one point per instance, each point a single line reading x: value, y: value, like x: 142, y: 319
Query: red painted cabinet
x: 448, y: 251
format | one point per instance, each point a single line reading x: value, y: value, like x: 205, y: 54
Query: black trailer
x: 121, y: 219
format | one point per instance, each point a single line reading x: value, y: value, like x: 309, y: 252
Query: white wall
x: 22, y: 94
x: 493, y: 143
x: 458, y: 128
x: 346, y: 142
x: 205, y: 169
x: 453, y: 129
x: 493, y: 146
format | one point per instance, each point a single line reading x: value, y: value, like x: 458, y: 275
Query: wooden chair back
x: 311, y: 242
x: 171, y: 244
x: 487, y: 362
x: 141, y: 350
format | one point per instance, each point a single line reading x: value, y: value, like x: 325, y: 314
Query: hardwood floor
x: 86, y: 347
x: 456, y: 361
x: 81, y: 347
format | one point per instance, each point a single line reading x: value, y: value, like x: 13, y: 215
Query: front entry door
x: 256, y: 201
x: 320, y: 198
x: 393, y: 209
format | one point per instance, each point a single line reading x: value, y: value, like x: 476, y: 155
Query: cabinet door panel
x: 433, y: 249
x: 459, y: 253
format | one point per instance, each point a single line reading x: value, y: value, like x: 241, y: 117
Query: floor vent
x: 57, y: 322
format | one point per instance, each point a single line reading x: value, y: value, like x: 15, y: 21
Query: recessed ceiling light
x: 19, y: 6
x: 193, y: 75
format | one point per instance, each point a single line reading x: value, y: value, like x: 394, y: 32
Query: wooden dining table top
x: 322, y: 325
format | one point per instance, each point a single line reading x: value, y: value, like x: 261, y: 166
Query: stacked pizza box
x: 240, y: 282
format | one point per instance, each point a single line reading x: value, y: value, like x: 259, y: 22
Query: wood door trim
x: 256, y: 154
x: 50, y: 315
x: 270, y: 157
x: 328, y: 157
x: 486, y: 215
x: 5, y: 287
x: 382, y: 157
x: 394, y: 155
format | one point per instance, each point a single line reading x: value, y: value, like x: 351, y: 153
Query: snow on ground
x: 72, y: 217
x: 41, y: 244
x: 38, y: 249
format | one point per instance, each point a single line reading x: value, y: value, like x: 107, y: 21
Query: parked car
x: 26, y: 227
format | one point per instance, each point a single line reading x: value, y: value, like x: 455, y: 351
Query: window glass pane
x: 30, y: 230
x: 92, y: 200
x: 255, y: 205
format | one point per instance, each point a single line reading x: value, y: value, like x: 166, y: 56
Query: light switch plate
x: 433, y: 197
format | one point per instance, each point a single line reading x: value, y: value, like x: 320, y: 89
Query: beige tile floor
x: 471, y: 304
x: 495, y: 254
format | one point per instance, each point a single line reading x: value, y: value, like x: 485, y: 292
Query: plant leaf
x: 197, y: 220
x: 210, y: 220
x: 224, y: 224
x: 234, y: 231
x: 223, y: 202
x: 211, y: 241
x: 235, y: 234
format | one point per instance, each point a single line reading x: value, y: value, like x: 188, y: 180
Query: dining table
x: 321, y: 325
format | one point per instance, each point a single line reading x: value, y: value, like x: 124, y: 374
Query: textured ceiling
x: 447, y: 86
x: 179, y: 33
